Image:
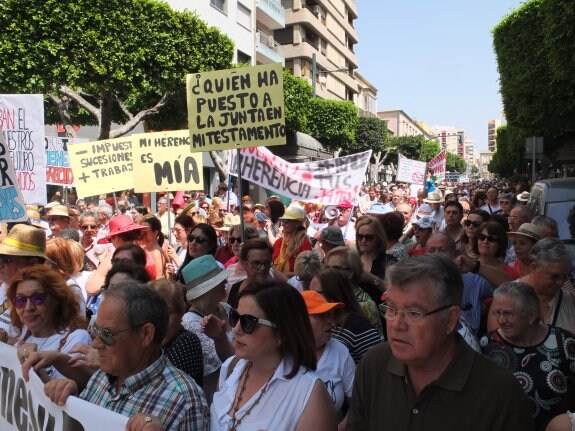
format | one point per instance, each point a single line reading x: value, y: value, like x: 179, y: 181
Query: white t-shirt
x: 279, y: 409
x: 336, y: 370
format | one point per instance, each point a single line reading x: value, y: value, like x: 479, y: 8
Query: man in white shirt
x: 492, y: 205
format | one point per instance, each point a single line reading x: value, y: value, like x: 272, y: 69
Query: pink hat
x: 121, y: 224
x: 345, y: 204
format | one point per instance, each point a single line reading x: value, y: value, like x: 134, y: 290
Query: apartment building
x: 492, y: 126
x: 451, y: 139
x: 401, y: 124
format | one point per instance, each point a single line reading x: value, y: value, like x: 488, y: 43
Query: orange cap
x: 317, y: 304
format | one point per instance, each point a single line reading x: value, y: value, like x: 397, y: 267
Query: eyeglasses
x: 339, y: 268
x: 177, y: 230
x: 105, y: 334
x: 89, y: 226
x: 257, y: 264
x: 161, y: 203
x: 367, y: 237
x: 233, y: 239
x: 506, y: 314
x: 5, y: 259
x: 475, y: 224
x: 38, y: 298
x: 490, y: 238
x: 198, y: 239
x: 412, y: 317
x: 247, y: 322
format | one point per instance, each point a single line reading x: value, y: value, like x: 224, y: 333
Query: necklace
x: 237, y: 421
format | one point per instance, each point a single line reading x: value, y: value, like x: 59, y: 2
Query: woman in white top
x: 270, y: 383
x: 335, y: 367
x: 46, y: 313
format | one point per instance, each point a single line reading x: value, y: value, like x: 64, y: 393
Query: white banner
x: 22, y: 122
x: 410, y: 171
x: 324, y: 181
x: 23, y: 405
x: 12, y: 207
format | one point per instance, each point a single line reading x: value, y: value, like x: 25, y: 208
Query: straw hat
x: 229, y: 221
x: 59, y: 210
x: 121, y: 224
x: 202, y: 275
x: 24, y: 240
x: 433, y: 198
x: 294, y: 212
x: 523, y: 197
x: 317, y: 304
x: 528, y: 230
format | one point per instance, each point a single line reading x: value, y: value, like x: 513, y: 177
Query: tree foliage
x: 298, y: 94
x: 510, y: 144
x: 430, y: 150
x: 333, y: 123
x: 105, y: 60
x: 371, y: 134
x: 454, y: 163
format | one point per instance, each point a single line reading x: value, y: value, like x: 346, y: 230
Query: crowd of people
x: 446, y: 307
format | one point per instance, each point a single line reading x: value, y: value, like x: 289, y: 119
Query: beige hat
x: 529, y: 230
x: 433, y: 198
x: 294, y: 212
x: 229, y: 221
x: 523, y: 197
x: 59, y: 210
x: 24, y: 240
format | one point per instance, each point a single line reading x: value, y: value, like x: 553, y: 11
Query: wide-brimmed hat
x: 229, y: 221
x: 424, y: 223
x: 433, y: 198
x: 332, y: 235
x: 294, y: 212
x: 379, y: 208
x: 317, y: 304
x: 201, y: 275
x: 59, y: 210
x: 528, y: 230
x: 121, y: 224
x: 52, y: 204
x: 24, y: 240
x: 523, y: 197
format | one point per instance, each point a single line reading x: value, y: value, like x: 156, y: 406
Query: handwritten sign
x: 58, y: 169
x: 438, y: 165
x: 236, y: 108
x: 162, y: 162
x: 24, y: 406
x: 12, y: 207
x: 324, y: 181
x: 410, y: 171
x: 102, y: 166
x: 22, y: 123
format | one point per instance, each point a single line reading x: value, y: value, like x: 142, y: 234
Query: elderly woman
x: 270, y: 383
x: 348, y: 261
x: 335, y: 367
x: 45, y: 312
x: 523, y: 239
x: 542, y: 357
x: 293, y: 242
x: 307, y: 265
x: 351, y: 326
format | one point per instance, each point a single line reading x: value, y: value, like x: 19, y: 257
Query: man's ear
x: 148, y: 333
x: 453, y: 319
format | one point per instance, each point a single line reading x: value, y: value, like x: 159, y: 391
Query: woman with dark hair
x: 392, y: 223
x: 479, y: 199
x: 352, y: 327
x: 130, y: 252
x: 491, y: 242
x: 203, y: 240
x: 183, y: 225
x: 270, y: 383
x: 274, y: 210
x: 45, y: 313
x: 471, y: 224
x: 152, y: 241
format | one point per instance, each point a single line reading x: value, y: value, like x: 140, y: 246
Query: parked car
x: 556, y: 198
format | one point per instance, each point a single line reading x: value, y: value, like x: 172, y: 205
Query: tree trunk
x: 221, y: 163
x: 106, y: 103
x: 63, y: 103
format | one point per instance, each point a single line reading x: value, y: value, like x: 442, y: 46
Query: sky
x: 434, y: 59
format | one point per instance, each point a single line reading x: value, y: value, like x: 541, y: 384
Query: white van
x: 555, y: 198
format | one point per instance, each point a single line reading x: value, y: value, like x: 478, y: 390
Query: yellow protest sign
x: 102, y: 166
x: 163, y: 161
x: 236, y: 108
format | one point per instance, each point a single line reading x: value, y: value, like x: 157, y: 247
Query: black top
x: 185, y: 353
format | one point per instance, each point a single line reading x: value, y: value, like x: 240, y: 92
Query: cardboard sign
x: 236, y: 108
x: 58, y: 169
x: 12, y: 207
x: 102, y: 166
x: 162, y: 162
x: 22, y: 123
x: 324, y: 181
x: 410, y: 171
x: 25, y: 407
x: 438, y: 165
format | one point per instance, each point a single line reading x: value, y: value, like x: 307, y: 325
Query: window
x: 244, y: 16
x: 243, y: 58
x: 219, y: 4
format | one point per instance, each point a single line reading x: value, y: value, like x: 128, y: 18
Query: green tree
x: 430, y: 150
x: 298, y: 94
x: 508, y: 157
x: 371, y: 134
x: 333, y: 123
x: 455, y: 163
x: 100, y: 61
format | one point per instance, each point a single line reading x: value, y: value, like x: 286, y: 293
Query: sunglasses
x: 248, y: 322
x: 20, y: 301
x: 233, y: 239
x: 475, y: 224
x: 198, y: 239
x: 490, y: 238
x: 89, y: 226
x: 105, y: 334
x: 367, y: 237
x: 257, y: 264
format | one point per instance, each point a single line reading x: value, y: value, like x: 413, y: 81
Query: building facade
x: 401, y: 124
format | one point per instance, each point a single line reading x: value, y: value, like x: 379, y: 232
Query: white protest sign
x: 23, y: 405
x: 12, y: 206
x: 410, y: 171
x: 324, y: 181
x: 58, y: 169
x: 22, y: 123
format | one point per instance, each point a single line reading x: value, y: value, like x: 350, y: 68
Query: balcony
x: 271, y: 13
x: 268, y: 50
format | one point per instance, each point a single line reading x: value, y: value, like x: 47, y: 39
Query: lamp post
x: 315, y: 73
